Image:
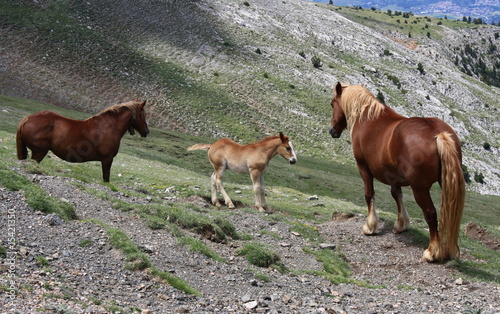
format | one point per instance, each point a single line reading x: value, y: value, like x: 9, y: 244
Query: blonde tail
x: 200, y: 147
x: 452, y: 197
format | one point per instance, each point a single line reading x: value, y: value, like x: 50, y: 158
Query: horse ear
x: 143, y: 104
x: 338, y: 89
x: 282, y: 137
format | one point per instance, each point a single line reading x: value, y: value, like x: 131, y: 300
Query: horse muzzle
x: 334, y: 133
x: 292, y: 161
x: 145, y: 133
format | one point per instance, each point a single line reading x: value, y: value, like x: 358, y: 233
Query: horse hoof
x: 427, y: 256
x: 398, y: 230
x: 368, y: 231
x: 231, y: 206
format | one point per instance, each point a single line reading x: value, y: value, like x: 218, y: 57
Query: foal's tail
x: 200, y: 147
x: 452, y: 196
x: 22, y: 150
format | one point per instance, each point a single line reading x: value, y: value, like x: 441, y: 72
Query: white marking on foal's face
x: 292, y: 159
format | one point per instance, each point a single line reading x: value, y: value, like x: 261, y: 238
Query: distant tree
x: 420, y: 68
x: 464, y: 19
x: 316, y: 61
x: 466, y: 174
x: 374, y: 9
x: 479, y: 178
x: 380, y: 97
x: 330, y: 2
x: 389, y: 12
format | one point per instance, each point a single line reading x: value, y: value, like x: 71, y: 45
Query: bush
x: 316, y: 61
x: 479, y: 178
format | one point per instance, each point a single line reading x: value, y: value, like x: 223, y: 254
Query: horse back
x: 227, y: 154
x: 414, y: 149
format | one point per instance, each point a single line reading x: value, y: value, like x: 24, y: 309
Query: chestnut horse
x: 251, y: 159
x: 401, y: 151
x: 94, y: 139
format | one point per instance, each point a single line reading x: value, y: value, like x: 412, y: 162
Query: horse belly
x: 238, y: 167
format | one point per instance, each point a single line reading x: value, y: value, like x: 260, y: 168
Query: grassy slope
x: 149, y: 166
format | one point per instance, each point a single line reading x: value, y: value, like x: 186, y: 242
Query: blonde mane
x: 133, y: 106
x: 356, y: 99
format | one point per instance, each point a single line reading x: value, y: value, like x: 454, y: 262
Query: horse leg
x: 106, y: 168
x: 403, y: 220
x: 38, y: 155
x: 217, y: 184
x: 213, y: 185
x: 370, y: 227
x: 258, y: 189
x: 263, y: 193
x: 423, y: 199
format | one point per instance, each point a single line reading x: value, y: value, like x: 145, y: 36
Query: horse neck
x: 121, y: 121
x: 270, y: 147
x: 387, y: 114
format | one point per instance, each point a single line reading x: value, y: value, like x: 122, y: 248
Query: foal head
x: 338, y: 122
x: 139, y: 119
x: 286, y: 149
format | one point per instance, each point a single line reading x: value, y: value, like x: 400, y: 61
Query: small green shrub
x: 479, y: 178
x: 316, y: 61
x: 258, y: 255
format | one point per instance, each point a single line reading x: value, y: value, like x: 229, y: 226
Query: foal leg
x: 213, y: 185
x: 218, y: 174
x: 258, y: 189
x: 423, y: 199
x: 403, y: 220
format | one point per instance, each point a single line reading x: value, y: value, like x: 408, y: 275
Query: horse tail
x: 200, y: 147
x: 452, y: 196
x: 22, y: 150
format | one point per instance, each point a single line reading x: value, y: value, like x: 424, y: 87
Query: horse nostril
x: 333, y: 133
x: 292, y: 161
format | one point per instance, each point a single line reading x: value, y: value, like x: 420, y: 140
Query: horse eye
x: 288, y: 148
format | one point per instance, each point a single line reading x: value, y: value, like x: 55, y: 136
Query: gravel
x: 70, y: 266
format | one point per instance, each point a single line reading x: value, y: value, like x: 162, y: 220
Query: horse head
x: 338, y: 122
x: 139, y: 121
x: 286, y: 149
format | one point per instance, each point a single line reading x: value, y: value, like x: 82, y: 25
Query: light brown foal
x: 251, y: 159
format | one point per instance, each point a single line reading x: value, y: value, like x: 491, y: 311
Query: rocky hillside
x: 244, y: 69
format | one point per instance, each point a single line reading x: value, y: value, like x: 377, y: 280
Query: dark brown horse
x: 401, y: 151
x: 94, y: 139
x: 251, y: 158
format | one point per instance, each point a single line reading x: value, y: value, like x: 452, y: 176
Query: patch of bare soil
x: 481, y: 234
